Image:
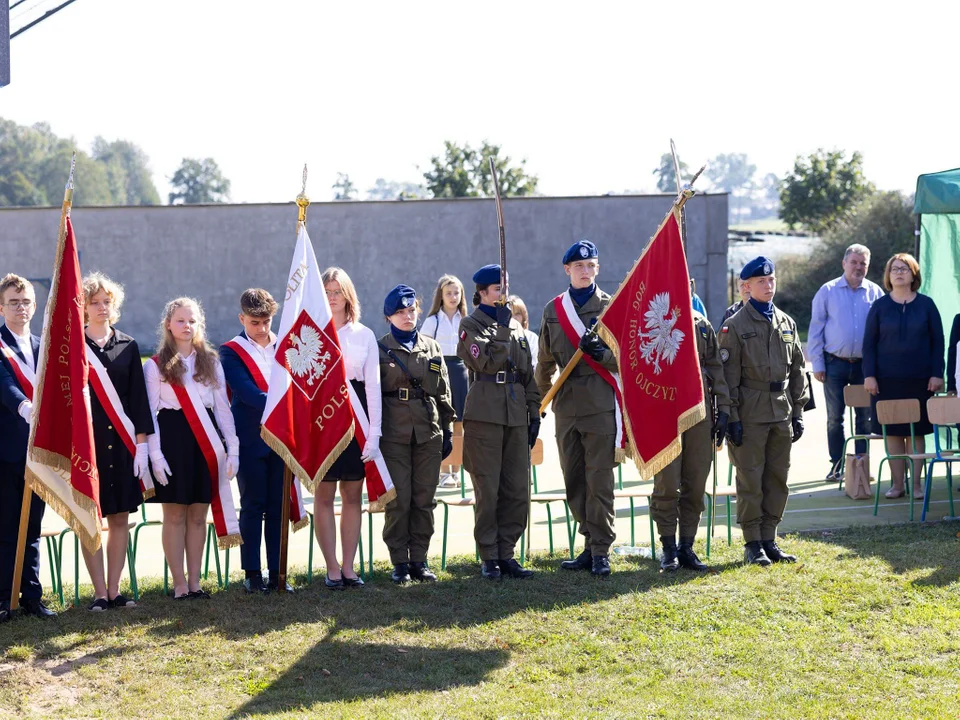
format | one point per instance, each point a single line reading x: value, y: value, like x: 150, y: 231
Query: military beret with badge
x: 580, y: 250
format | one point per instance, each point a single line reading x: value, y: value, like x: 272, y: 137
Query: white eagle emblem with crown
x: 304, y: 360
x: 663, y: 339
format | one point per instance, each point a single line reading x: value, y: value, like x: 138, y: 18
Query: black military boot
x: 490, y: 569
x: 601, y: 566
x: 687, y: 557
x: 421, y: 573
x: 753, y: 554
x: 514, y: 569
x: 401, y: 573
x: 669, y: 562
x: 774, y: 552
x: 583, y: 561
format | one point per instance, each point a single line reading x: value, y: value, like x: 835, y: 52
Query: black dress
x: 119, y: 487
x: 349, y: 466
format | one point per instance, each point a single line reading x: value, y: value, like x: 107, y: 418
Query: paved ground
x: 814, y: 504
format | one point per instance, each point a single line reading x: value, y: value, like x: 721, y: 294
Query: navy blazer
x: 14, y: 431
x: 247, y: 404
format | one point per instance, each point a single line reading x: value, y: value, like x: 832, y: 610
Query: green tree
x: 199, y: 181
x: 666, y: 175
x: 465, y: 172
x: 345, y: 189
x: 128, y: 171
x: 821, y: 189
x: 732, y: 173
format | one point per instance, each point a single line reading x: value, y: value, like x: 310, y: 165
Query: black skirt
x: 119, y: 488
x: 190, y: 478
x: 903, y: 389
x: 349, y: 467
x: 459, y: 383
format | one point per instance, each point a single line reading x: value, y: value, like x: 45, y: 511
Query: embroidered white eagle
x: 305, y: 359
x: 663, y: 339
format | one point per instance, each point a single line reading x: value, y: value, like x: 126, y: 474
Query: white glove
x: 141, y: 464
x: 161, y: 471
x: 25, y: 410
x: 371, y: 449
x: 233, y: 466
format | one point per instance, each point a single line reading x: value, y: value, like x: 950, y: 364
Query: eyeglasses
x: 899, y: 270
x: 14, y: 304
x: 334, y: 293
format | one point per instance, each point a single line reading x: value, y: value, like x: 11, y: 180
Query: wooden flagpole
x: 27, y: 500
x: 685, y: 194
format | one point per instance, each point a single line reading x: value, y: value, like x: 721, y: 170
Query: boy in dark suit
x: 19, y: 353
x: 246, y: 361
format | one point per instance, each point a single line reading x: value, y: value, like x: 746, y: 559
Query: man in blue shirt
x: 835, y: 346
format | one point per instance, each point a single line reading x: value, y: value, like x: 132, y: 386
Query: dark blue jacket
x: 247, y: 404
x: 14, y: 431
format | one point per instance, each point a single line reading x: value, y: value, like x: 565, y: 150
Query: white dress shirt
x: 162, y: 397
x: 26, y: 346
x: 264, y: 356
x: 361, y: 357
x: 444, y: 330
x: 533, y: 340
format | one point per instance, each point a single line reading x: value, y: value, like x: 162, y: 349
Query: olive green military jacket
x: 413, y: 418
x: 509, y: 404
x: 584, y: 392
x: 711, y: 367
x: 755, y: 354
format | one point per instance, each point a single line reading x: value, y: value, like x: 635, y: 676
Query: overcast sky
x: 589, y: 93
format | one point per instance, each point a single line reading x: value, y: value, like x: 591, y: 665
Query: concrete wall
x: 214, y: 252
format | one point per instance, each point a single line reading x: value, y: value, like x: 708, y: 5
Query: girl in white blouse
x: 448, y: 308
x: 362, y: 361
x: 183, y: 479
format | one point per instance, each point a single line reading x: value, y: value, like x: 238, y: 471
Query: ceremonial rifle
x: 504, y: 293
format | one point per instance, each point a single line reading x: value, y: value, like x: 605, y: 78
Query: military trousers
x: 408, y: 518
x: 762, y: 462
x: 678, y: 489
x: 586, y: 446
x: 498, y: 460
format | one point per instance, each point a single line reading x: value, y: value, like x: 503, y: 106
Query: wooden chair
x: 463, y: 500
x: 545, y: 498
x: 900, y: 412
x: 944, y: 413
x: 854, y: 396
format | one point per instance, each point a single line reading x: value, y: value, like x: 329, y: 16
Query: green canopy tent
x: 937, y: 207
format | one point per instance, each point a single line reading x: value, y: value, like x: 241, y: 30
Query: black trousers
x: 11, y: 497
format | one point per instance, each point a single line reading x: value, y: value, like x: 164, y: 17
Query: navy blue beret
x: 580, y: 250
x: 758, y: 267
x: 487, y: 275
x: 402, y: 296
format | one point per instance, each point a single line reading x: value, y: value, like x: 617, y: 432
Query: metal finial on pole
x: 302, y: 200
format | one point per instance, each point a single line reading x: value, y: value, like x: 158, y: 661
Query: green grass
x: 866, y: 625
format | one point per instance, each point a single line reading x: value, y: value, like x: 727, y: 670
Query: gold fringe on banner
x: 310, y: 481
x: 302, y: 523
x: 381, y: 502
x: 149, y: 493
x: 90, y: 542
x: 229, y: 541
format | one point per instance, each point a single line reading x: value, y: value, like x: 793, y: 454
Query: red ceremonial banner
x: 62, y: 463
x: 649, y: 326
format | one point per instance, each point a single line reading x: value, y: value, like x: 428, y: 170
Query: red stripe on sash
x: 25, y: 385
x: 118, y: 425
x: 249, y: 362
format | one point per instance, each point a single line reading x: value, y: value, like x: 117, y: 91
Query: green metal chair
x: 644, y: 490
x: 713, y: 492
x: 53, y: 557
x: 456, y: 458
x: 854, y: 396
x: 58, y: 552
x: 900, y: 412
x: 944, y: 413
x: 545, y: 499
x: 308, y: 503
x: 211, y: 541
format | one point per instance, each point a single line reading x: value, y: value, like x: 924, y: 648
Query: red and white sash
x: 380, y: 488
x: 26, y: 377
x: 245, y: 351
x: 224, y: 513
x: 574, y: 329
x: 110, y: 401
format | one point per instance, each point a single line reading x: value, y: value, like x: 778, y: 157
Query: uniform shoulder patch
x: 724, y: 354
x: 703, y: 331
x: 748, y: 335
x: 475, y: 351
x: 463, y: 334
x: 724, y: 330
x: 523, y: 343
x: 434, y: 365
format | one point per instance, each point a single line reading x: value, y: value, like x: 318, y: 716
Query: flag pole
x: 302, y: 202
x: 685, y: 194
x: 27, y: 500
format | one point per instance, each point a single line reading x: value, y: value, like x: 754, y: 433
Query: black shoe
x: 5, y: 615
x: 352, y: 581
x: 514, y: 569
x: 200, y: 594
x: 333, y: 584
x: 272, y: 584
x: 668, y: 561
x: 99, y: 605
x: 421, y: 573
x: 121, y: 601
x: 775, y: 554
x: 401, y: 573
x: 600, y: 566
x: 35, y: 607
x: 583, y: 561
x: 753, y: 554
x: 254, y: 584
x: 688, y: 558
x: 490, y: 569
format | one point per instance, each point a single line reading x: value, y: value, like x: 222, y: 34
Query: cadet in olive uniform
x: 585, y: 410
x: 417, y: 432
x: 763, y: 365
x: 501, y: 422
x: 678, y: 488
